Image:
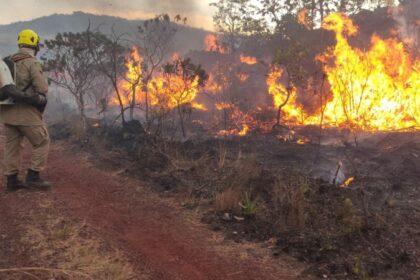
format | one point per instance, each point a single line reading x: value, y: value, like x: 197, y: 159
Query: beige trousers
x: 39, y: 139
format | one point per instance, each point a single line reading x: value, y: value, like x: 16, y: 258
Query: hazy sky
x: 198, y: 12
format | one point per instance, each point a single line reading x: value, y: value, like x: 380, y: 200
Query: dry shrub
x: 222, y: 153
x: 182, y: 162
x: 227, y: 200
x: 245, y: 170
x: 248, y: 168
x: 237, y: 183
x: 289, y: 201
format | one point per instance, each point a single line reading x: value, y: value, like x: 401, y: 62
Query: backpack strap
x: 20, y: 56
x: 15, y: 59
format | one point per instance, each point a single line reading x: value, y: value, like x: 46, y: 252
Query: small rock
x: 227, y: 217
x: 238, y: 218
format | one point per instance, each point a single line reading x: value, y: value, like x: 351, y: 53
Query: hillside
x: 187, y: 39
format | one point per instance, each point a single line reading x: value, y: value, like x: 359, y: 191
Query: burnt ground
x: 100, y: 222
x: 280, y: 194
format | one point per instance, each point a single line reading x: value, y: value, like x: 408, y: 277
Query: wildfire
x: 250, y: 60
x: 302, y: 18
x: 374, y: 90
x: 242, y: 77
x: 130, y: 87
x: 165, y: 91
x: 292, y: 111
x: 347, y: 182
x: 303, y: 141
x: 199, y: 106
x: 212, y: 44
x: 224, y: 106
x: 170, y: 91
x: 244, y: 131
x: 242, y: 123
x: 213, y: 85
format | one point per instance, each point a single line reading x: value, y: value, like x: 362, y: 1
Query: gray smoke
x: 408, y: 19
x: 150, y: 6
x: 178, y: 6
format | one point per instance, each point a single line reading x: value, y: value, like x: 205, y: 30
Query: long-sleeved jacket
x: 28, y: 72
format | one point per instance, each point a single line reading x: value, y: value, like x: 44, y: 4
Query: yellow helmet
x: 28, y: 38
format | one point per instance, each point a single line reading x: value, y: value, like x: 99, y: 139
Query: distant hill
x: 187, y: 38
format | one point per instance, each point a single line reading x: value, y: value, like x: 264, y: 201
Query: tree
x: 155, y: 38
x: 108, y: 53
x: 183, y: 79
x: 72, y: 67
x: 290, y: 58
x: 234, y: 20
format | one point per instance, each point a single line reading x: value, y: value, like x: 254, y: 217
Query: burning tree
x: 290, y: 61
x: 372, y: 90
x: 155, y: 38
x: 131, y: 84
x: 182, y: 82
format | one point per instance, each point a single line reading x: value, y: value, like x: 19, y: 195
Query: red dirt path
x: 156, y: 235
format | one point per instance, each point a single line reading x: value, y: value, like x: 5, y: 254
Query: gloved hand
x: 3, y: 94
x: 39, y: 100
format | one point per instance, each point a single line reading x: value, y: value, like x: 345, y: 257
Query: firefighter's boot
x: 13, y: 183
x: 34, y: 181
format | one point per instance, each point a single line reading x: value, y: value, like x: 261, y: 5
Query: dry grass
x: 227, y: 200
x: 181, y: 162
x: 243, y: 171
x: 349, y: 217
x: 289, y: 201
x: 63, y: 249
x: 247, y: 167
x: 222, y: 153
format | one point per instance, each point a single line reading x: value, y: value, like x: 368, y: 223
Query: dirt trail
x: 155, y: 234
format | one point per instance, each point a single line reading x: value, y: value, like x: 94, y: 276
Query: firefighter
x: 23, y: 119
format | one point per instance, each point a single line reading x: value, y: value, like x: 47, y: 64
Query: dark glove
x: 3, y: 94
x: 39, y: 100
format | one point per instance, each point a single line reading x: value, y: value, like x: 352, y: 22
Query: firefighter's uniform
x: 23, y: 120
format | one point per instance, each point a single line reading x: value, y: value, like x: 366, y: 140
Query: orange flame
x: 130, y: 87
x: 374, y: 90
x: 302, y: 141
x: 292, y: 111
x: 250, y: 60
x: 242, y: 122
x: 165, y: 90
x: 347, y: 182
x: 242, y: 77
x: 212, y: 44
x: 302, y: 18
x: 224, y: 106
